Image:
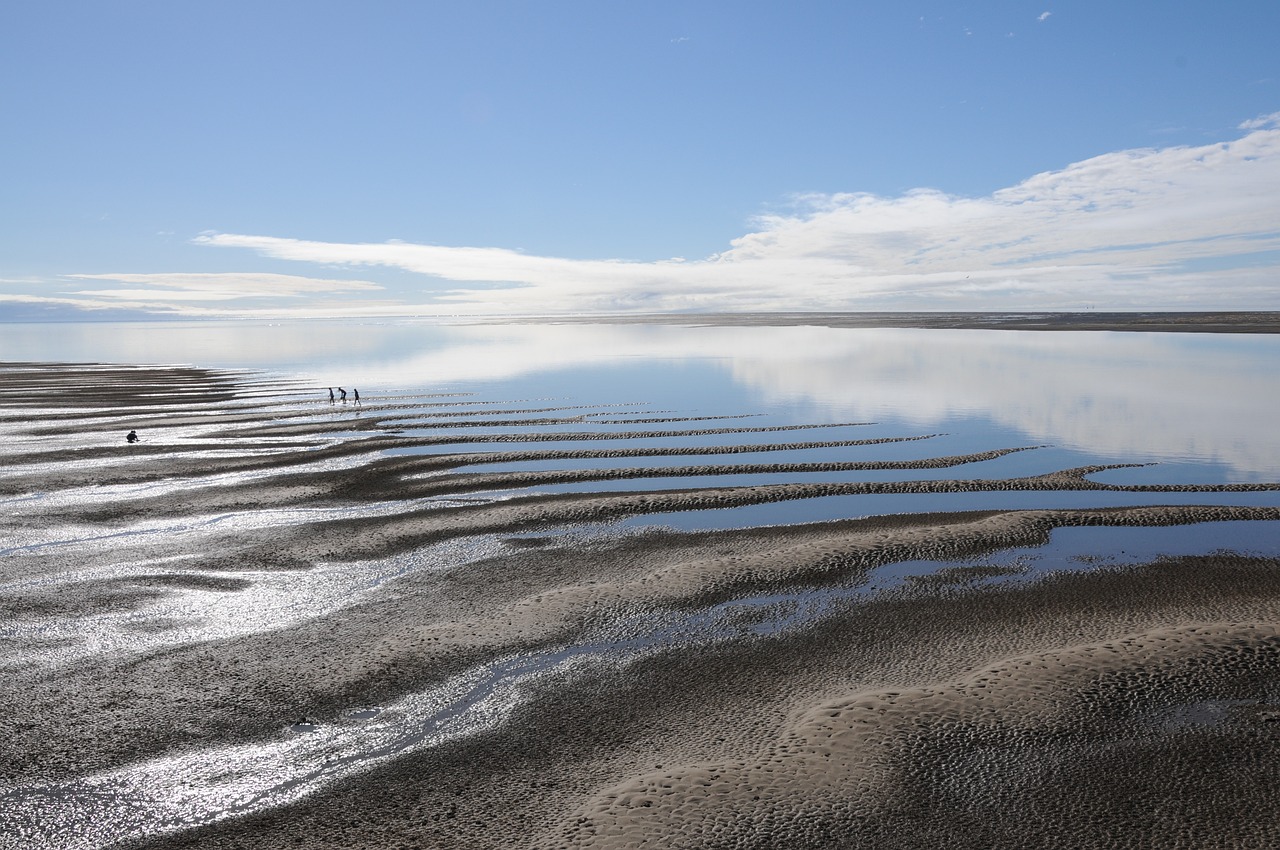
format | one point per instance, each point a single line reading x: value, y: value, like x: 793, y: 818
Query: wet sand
x: 968, y: 707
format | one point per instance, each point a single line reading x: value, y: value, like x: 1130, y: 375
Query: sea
x: 1201, y: 407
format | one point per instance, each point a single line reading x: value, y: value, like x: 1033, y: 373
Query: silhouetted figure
x: 356, y: 392
x: 330, y: 395
x: 343, y: 393
x: 132, y: 437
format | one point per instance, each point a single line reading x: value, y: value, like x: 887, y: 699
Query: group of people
x: 333, y: 399
x: 132, y: 436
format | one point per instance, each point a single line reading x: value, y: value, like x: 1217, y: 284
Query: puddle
x: 1087, y: 547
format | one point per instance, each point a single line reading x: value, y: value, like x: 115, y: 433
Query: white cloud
x: 234, y: 284
x: 1262, y: 122
x: 198, y: 295
x: 1126, y: 230
x: 139, y: 296
x: 1044, y: 16
x: 1179, y: 227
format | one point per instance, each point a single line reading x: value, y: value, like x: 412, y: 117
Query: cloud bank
x: 1191, y: 227
x: 220, y: 286
x: 199, y: 294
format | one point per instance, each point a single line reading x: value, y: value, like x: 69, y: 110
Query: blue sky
x: 422, y: 158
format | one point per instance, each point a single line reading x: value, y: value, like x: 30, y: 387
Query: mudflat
x: 275, y: 623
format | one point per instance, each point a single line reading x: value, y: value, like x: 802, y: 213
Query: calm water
x: 1202, y: 406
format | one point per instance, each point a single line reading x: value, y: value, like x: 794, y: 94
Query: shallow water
x: 268, y: 600
x: 828, y: 508
x: 1205, y: 401
x: 1071, y: 549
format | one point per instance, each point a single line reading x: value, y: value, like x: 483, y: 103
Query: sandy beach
x: 844, y: 706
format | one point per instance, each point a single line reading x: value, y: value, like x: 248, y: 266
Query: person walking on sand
x: 330, y: 395
x: 342, y: 393
x: 132, y: 437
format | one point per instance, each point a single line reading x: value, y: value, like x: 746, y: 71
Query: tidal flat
x: 976, y: 589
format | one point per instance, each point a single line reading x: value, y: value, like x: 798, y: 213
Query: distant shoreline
x: 1258, y: 322
x: 1218, y: 321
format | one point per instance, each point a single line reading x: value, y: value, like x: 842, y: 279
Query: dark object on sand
x: 132, y: 437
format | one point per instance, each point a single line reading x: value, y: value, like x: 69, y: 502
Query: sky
x: 373, y: 159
